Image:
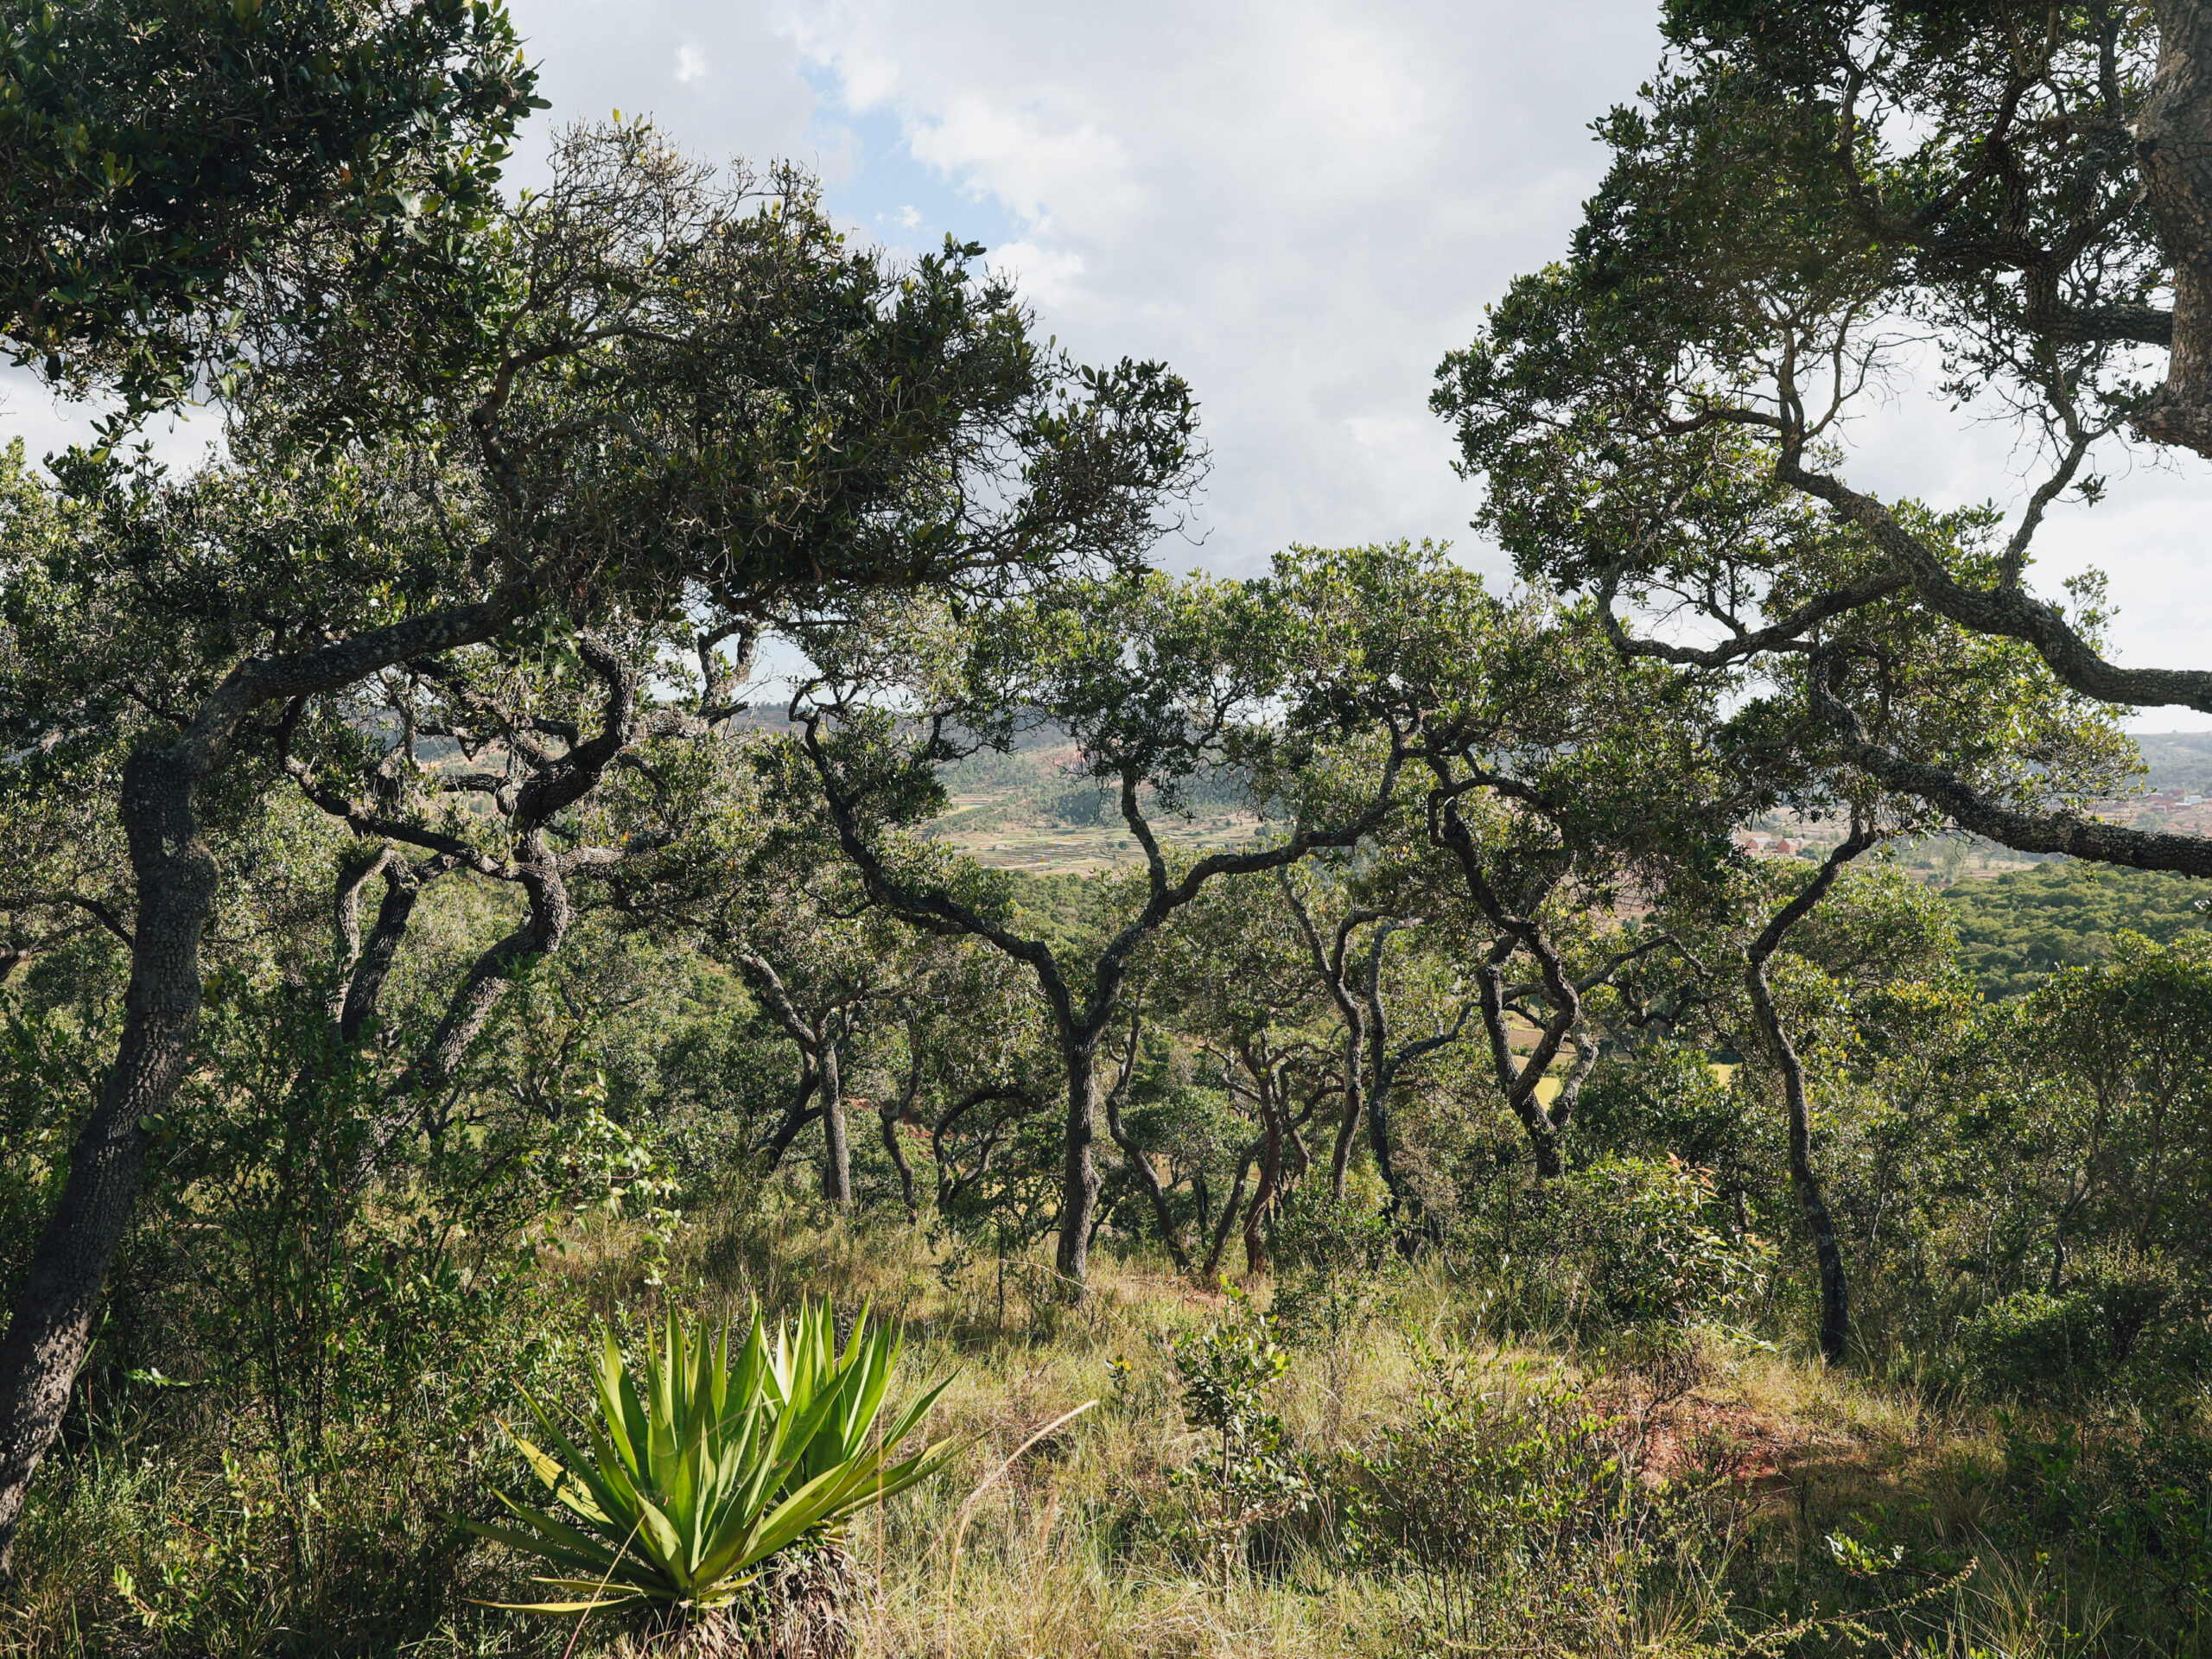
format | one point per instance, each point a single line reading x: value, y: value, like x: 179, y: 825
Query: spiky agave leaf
x: 717, y: 1462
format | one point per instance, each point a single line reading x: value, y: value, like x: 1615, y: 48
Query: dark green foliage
x: 2135, y: 1503
x: 2017, y: 928
x: 1664, y: 1100
x: 1620, y: 1240
x: 1336, y: 1262
x: 2118, y: 1328
x: 155, y: 158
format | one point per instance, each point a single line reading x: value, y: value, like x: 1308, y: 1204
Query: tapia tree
x: 1807, y: 195
x: 163, y: 166
x: 1160, y: 683
x: 648, y: 388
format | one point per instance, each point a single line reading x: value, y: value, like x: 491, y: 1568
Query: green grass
x: 1740, y: 1473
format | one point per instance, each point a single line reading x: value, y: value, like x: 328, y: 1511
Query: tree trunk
x: 1229, y: 1210
x: 1255, y: 1218
x: 1378, y: 1142
x: 1355, y: 1109
x: 53, y: 1320
x: 890, y: 1120
x: 2173, y: 148
x: 1148, y: 1178
x: 177, y: 876
x: 1835, y: 1292
x: 1543, y: 1139
x: 373, y: 963
x: 494, y: 974
x: 797, y: 1117
x: 1812, y: 1202
x: 1079, y: 1175
x: 836, y: 1152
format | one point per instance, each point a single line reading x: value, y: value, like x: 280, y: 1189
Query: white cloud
x: 1301, y: 204
x: 1028, y: 159
x: 1299, y: 207
x: 1045, y: 276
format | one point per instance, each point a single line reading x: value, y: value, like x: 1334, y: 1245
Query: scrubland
x: 1459, y: 1469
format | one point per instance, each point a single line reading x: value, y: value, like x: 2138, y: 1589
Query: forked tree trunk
x: 1263, y: 1195
x: 1804, y: 1180
x: 888, y: 1119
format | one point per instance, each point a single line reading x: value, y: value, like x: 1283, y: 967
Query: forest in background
x: 1660, y: 1106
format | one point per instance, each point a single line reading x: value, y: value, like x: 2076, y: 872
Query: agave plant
x: 715, y: 1466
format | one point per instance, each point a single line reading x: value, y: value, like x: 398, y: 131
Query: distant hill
x: 2019, y: 926
x: 2178, y: 760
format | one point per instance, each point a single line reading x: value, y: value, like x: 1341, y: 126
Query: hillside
x: 2177, y: 760
x: 2017, y: 926
x: 1031, y: 809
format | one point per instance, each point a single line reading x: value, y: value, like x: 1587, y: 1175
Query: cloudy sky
x: 1301, y: 207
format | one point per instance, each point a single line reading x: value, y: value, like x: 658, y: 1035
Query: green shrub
x: 1511, y: 1510
x: 1625, y: 1241
x: 1336, y: 1262
x: 2120, y: 1327
x: 1248, y: 1474
x: 2032, y: 1343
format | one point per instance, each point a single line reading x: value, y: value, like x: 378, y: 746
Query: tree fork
x: 51, y: 1325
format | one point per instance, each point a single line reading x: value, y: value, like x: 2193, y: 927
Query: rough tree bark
x: 2173, y: 148
x: 817, y: 1039
x: 1267, y: 1083
x: 1139, y: 1162
x: 1331, y: 965
x: 837, y: 1148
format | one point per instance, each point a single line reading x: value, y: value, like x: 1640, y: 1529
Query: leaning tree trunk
x: 1263, y: 1195
x: 53, y: 1322
x: 1229, y: 1210
x: 51, y: 1325
x: 888, y: 1120
x: 1078, y: 1174
x: 1804, y: 1181
x: 1354, y: 1109
x: 1812, y: 1202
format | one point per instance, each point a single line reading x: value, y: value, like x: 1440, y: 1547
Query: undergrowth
x: 1427, y: 1468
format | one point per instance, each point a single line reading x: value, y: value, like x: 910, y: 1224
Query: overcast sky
x: 1299, y: 207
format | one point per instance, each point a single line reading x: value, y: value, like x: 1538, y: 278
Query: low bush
x: 1509, y: 1506
x: 2120, y: 1327
x: 1625, y: 1241
x: 1337, y: 1265
x: 1247, y: 1475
